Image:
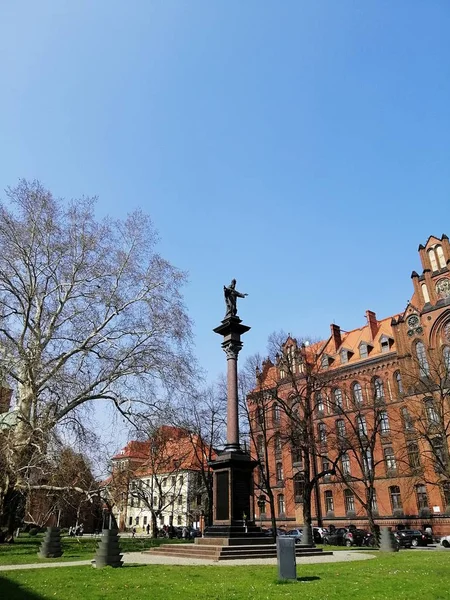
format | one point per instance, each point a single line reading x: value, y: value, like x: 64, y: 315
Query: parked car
x: 418, y: 538
x: 319, y: 534
x: 404, y: 541
x: 296, y: 534
x: 345, y: 536
x: 445, y: 541
x: 269, y: 532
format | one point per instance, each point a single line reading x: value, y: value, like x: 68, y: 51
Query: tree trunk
x: 13, y: 510
x: 307, y: 537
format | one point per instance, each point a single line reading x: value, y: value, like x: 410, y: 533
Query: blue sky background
x: 300, y: 147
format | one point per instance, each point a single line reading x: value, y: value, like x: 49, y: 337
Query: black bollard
x: 51, y: 544
x: 108, y: 551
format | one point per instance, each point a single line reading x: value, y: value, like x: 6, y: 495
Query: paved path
x: 150, y: 559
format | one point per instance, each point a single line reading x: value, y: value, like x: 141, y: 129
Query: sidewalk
x: 148, y: 559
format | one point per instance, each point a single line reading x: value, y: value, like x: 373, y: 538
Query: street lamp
x: 262, y: 506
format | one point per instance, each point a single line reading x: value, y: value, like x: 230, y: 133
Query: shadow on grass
x: 12, y: 591
x: 312, y: 578
x: 301, y: 579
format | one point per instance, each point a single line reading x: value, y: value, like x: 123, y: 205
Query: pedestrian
x: 133, y: 532
x: 148, y: 529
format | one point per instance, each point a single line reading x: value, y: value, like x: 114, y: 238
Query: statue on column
x: 231, y: 294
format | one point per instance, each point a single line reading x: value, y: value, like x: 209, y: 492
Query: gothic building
x: 376, y: 401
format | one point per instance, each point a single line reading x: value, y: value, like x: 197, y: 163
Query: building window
x: 320, y: 404
x: 145, y: 520
x: 322, y: 432
x: 398, y: 382
x: 413, y: 456
x: 357, y: 393
x: 361, y: 425
x: 367, y: 461
x: 344, y: 357
x: 173, y: 481
x: 297, y: 457
x: 280, y: 504
x: 384, y: 422
x: 385, y: 346
x: 337, y: 394
x: 277, y: 444
x: 423, y: 361
x: 446, y: 357
x: 349, y: 501
x: 446, y: 492
x: 180, y: 500
x: 130, y: 521
x: 432, y: 414
x: 180, y: 480
x: 324, y: 362
x: 340, y: 429
x: 299, y: 487
x: 407, y: 420
x: 373, y: 504
x: 363, y: 350
x: 440, y: 256
x: 179, y: 520
x: 279, y: 471
x: 422, y: 498
x: 329, y: 504
x: 345, y: 462
x: 396, y: 499
x: 439, y: 455
x: 389, y: 457
x: 136, y: 521
x: 378, y: 388
x: 260, y: 446
x: 432, y: 258
x: 276, y: 414
x: 260, y: 416
x: 325, y: 465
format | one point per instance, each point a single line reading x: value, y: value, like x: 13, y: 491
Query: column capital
x: 232, y: 349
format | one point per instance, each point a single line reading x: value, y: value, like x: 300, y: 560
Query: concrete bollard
x: 51, y: 544
x: 388, y: 543
x: 287, y: 568
x: 108, y: 552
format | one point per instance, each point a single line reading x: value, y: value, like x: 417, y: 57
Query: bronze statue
x: 231, y: 294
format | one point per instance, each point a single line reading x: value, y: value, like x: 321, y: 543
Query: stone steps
x: 216, y: 553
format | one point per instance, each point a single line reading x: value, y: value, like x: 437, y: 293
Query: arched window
x: 349, y: 501
x: 322, y: 433
x: 422, y: 498
x: 432, y: 257
x: 378, y: 389
x: 446, y: 357
x: 426, y: 295
x: 320, y: 403
x: 276, y: 414
x: 398, y: 382
x: 440, y: 256
x: 357, y: 393
x: 396, y: 499
x: 337, y: 394
x: 279, y: 471
x: 422, y: 358
x: 329, y: 504
x: 280, y: 504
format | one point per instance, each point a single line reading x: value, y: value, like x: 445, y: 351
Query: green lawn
x: 25, y: 548
x: 407, y: 575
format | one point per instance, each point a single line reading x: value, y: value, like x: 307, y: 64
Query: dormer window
x: 326, y: 361
x: 364, y: 349
x: 345, y: 355
x: 386, y: 343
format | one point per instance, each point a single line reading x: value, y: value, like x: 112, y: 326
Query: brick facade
x: 390, y: 377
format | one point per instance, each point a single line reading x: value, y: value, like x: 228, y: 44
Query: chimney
x: 372, y: 322
x: 336, y: 335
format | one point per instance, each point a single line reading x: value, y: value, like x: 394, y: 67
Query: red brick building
x: 380, y: 410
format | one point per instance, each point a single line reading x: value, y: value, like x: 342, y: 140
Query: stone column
x: 232, y: 350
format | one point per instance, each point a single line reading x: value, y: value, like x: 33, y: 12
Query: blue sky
x: 300, y: 147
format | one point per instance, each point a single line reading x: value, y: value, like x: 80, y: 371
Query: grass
x: 25, y: 548
x: 407, y: 575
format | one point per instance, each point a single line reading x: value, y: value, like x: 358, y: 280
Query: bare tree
x: 89, y: 311
x: 283, y: 405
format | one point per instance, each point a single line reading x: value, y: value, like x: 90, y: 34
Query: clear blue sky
x: 300, y: 147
